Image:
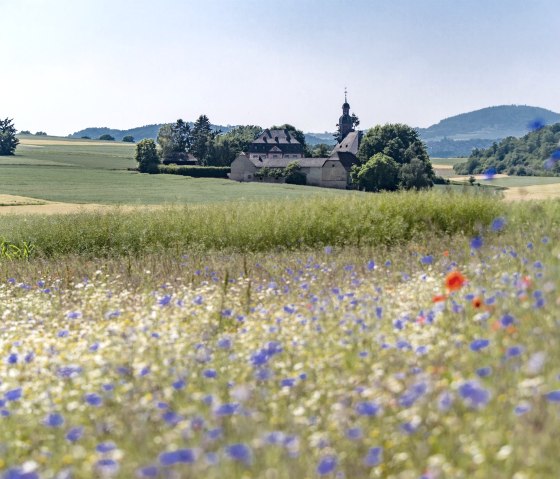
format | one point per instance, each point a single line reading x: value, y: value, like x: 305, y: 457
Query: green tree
x: 402, y: 144
x: 128, y: 139
x: 8, y: 140
x: 414, y: 175
x: 321, y: 150
x: 380, y: 172
x: 203, y: 137
x: 147, y: 156
x: 294, y: 175
x: 174, y: 140
x: 227, y: 146
x: 41, y: 133
x: 107, y: 137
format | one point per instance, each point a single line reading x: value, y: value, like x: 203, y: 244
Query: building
x: 276, y: 149
x: 275, y: 144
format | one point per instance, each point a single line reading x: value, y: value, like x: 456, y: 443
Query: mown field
x: 400, y: 335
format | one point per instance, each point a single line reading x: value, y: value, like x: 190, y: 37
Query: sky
x: 70, y: 64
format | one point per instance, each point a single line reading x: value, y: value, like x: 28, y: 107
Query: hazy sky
x: 70, y: 64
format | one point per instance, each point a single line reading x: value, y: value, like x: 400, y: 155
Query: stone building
x: 278, y: 148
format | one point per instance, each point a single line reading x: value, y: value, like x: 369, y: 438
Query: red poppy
x: 454, y: 281
x: 438, y: 298
x: 477, y: 302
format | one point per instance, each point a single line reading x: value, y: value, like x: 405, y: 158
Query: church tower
x: 345, y: 122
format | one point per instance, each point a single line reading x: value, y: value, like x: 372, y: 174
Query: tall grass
x: 349, y: 220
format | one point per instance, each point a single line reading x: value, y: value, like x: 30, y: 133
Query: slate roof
x: 277, y: 137
x: 349, y: 144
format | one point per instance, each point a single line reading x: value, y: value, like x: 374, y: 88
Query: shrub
x: 147, y: 157
x: 195, y: 171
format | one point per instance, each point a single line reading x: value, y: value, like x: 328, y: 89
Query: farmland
x: 307, y: 333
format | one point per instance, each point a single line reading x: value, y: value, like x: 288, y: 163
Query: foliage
x: 8, y: 140
x: 322, y: 150
x: 447, y: 148
x: 196, y: 171
x: 41, y: 133
x: 107, y: 137
x: 381, y: 172
x: 128, y: 139
x: 537, y: 153
x: 227, y: 146
x: 202, y: 139
x: 25, y: 132
x: 414, y: 175
x: 402, y: 144
x: 85, y: 137
x: 294, y: 175
x: 147, y: 157
x: 350, y: 219
x: 13, y: 251
x: 174, y: 140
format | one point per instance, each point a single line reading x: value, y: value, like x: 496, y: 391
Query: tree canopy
x: 202, y: 140
x: 8, y: 140
x: 147, y: 156
x: 227, y: 146
x: 107, y: 137
x: 128, y: 139
x: 401, y: 144
x: 537, y: 153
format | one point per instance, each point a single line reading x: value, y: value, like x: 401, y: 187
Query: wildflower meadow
x: 430, y: 358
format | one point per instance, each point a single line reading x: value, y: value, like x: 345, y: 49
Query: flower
x: 454, y: 281
x: 241, y: 453
x: 326, y: 465
x: 374, y: 456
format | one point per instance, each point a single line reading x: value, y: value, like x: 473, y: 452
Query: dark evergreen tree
x: 202, y: 140
x: 8, y: 140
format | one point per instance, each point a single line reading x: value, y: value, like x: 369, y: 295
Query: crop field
x: 288, y: 345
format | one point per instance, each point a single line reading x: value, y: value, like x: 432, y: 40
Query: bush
x: 195, y: 171
x: 147, y: 157
x: 128, y: 139
x: 107, y: 137
x: 381, y: 172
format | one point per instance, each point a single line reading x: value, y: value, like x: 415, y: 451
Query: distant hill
x: 491, y: 123
x: 139, y: 133
x: 460, y: 134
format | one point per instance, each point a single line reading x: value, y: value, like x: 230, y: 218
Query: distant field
x: 82, y: 171
x: 447, y: 161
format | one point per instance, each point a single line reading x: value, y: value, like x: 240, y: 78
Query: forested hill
x: 139, y: 133
x: 495, y: 122
x: 537, y: 153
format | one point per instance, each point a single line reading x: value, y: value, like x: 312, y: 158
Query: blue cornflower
x: 326, y: 465
x: 148, y: 471
x: 484, y: 372
x: 371, y: 265
x: 287, y: 382
x: 171, y: 418
x: 354, y: 433
x: 104, y: 447
x: 74, y: 315
x: 445, y: 401
x: 240, y: 452
x: 184, y: 456
x: 13, y: 394
x: 54, y: 420
x: 214, y: 434
x: 474, y: 395
x: 514, y: 351
x: 165, y: 300
x: 498, y: 224
x: 429, y: 259
x: 477, y: 242
x: 374, y: 456
x: 328, y: 250
x: 367, y: 408
x: 226, y: 409
x: 507, y: 320
x: 521, y: 409
x: 179, y: 384
x: 74, y: 434
x: 93, y: 399
x: 479, y: 344
x: 553, y: 396
x: 224, y: 343
x: 210, y: 373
